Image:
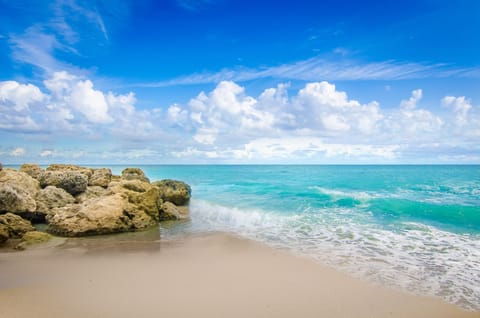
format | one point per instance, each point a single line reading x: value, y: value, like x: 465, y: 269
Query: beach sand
x: 214, y: 275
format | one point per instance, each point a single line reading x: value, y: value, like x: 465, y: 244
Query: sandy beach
x: 214, y: 275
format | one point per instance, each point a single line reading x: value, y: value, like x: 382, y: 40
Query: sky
x: 240, y: 82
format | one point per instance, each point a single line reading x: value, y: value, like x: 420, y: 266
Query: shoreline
x: 204, y: 275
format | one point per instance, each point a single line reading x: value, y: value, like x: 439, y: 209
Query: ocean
x: 416, y: 228
x: 411, y: 227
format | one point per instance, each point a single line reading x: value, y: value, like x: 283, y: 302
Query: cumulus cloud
x: 319, y: 121
x: 315, y: 123
x: 19, y: 96
x: 71, y: 105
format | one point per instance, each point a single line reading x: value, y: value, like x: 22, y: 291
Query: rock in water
x: 33, y: 170
x: 134, y: 174
x: 71, y: 181
x: 174, y: 191
x: 100, y: 177
x: 16, y: 225
x: 172, y: 212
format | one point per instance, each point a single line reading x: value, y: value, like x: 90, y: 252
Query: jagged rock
x: 170, y: 211
x: 134, y: 174
x: 16, y: 225
x: 14, y: 199
x: 100, y: 177
x: 71, y: 181
x: 52, y: 197
x: 90, y: 193
x: 33, y: 170
x: 141, y: 194
x: 174, y: 191
x: 17, y: 192
x: 88, y: 172
x: 31, y: 238
x: 4, y: 235
x: 20, y: 179
x: 109, y: 214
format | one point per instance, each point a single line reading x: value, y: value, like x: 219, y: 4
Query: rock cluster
x: 78, y: 201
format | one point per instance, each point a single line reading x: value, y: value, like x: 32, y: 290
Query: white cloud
x: 411, y: 103
x: 315, y: 123
x: 20, y: 96
x: 321, y: 105
x: 90, y: 102
x: 410, y: 122
x: 72, y: 105
x: 17, y: 152
x: 461, y: 106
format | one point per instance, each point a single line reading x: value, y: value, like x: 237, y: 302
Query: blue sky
x: 230, y: 81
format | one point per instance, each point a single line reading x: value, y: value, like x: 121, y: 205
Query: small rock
x: 16, y: 225
x: 134, y: 174
x: 33, y: 170
x: 174, y: 191
x: 14, y: 198
x: 31, y: 238
x: 100, y: 177
x: 170, y: 211
x: 88, y: 172
x: 52, y: 197
x: 71, y: 181
x: 20, y: 180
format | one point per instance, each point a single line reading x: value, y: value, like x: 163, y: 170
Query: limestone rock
x: 15, y: 199
x: 4, y: 235
x: 21, y: 180
x: 52, y: 197
x: 33, y: 170
x: 71, y: 181
x: 100, y: 177
x: 16, y: 225
x: 88, y: 172
x: 134, y: 174
x: 141, y: 194
x: 17, y: 192
x: 90, y: 193
x: 108, y: 214
x: 170, y: 211
x: 174, y: 191
x: 132, y: 185
x: 31, y: 238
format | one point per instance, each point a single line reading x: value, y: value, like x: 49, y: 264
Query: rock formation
x: 78, y: 201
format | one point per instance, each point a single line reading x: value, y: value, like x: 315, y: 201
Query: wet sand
x: 215, y: 275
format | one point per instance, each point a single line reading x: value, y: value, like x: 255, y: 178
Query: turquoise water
x: 412, y: 227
